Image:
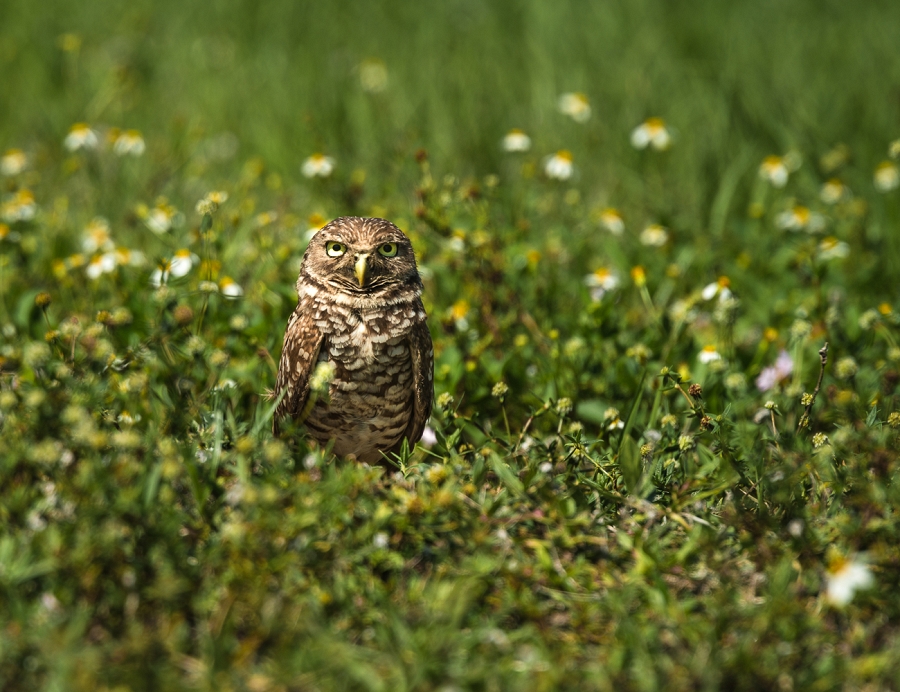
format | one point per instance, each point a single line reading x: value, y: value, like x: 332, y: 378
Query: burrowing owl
x: 361, y: 320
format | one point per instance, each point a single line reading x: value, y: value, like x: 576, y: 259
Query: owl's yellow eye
x: 334, y: 248
x: 388, y: 250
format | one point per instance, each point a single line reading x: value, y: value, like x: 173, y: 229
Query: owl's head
x: 360, y: 256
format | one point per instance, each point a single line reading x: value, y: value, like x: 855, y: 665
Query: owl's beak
x: 360, y: 269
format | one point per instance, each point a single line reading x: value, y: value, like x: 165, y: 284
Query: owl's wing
x: 422, y: 351
x: 302, y: 341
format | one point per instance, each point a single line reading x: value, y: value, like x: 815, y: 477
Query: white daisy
x: 13, y: 162
x: 230, y: 288
x: 651, y: 132
x: 832, y: 248
x: 844, y: 579
x: 612, y: 220
x: 654, y: 235
x: 129, y: 142
x: 708, y: 354
x: 575, y: 105
x: 516, y: 140
x: 717, y: 288
x: 559, y: 166
x: 318, y: 165
x: 81, y: 136
x: 887, y: 176
x: 101, y: 264
x: 600, y: 282
x: 96, y: 236
x: 775, y: 170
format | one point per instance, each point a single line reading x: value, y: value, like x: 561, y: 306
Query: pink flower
x: 774, y: 374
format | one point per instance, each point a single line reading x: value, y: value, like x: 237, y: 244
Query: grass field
x: 642, y: 476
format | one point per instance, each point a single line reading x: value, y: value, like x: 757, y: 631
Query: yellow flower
x: 129, y: 142
x: 80, y: 136
x: 775, y: 170
x: 516, y: 140
x: 13, y: 162
x: 887, y: 176
x: 318, y: 165
x: 638, y: 275
x: 612, y: 220
x: 651, y: 132
x: 575, y: 105
x: 559, y: 166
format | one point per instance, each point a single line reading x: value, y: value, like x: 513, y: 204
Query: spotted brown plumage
x: 360, y: 313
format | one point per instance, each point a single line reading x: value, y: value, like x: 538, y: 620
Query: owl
x: 359, y: 323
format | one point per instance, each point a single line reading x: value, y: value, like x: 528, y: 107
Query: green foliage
x: 642, y: 476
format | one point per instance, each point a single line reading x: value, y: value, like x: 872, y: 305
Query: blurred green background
x: 283, y: 78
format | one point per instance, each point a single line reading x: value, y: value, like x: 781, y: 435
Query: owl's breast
x: 371, y: 396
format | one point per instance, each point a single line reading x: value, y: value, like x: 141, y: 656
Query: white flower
x: 13, y: 162
x: 612, y: 221
x: 887, y: 176
x: 601, y: 281
x: 832, y: 248
x: 651, y: 132
x: 516, y: 140
x: 230, y: 288
x: 833, y: 191
x: 616, y: 424
x: 124, y: 256
x: 380, y: 540
x: 575, y: 105
x: 101, y: 264
x: 96, y: 236
x: 19, y: 207
x: 559, y: 166
x: 654, y: 235
x: 717, y: 288
x: 775, y: 170
x: 708, y: 354
x: 160, y: 218
x: 318, y: 165
x: 373, y: 75
x: 429, y: 438
x: 179, y: 265
x: 844, y: 579
x: 800, y: 218
x: 129, y: 142
x: 80, y: 136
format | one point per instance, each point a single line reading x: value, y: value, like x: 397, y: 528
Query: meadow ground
x: 640, y: 475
